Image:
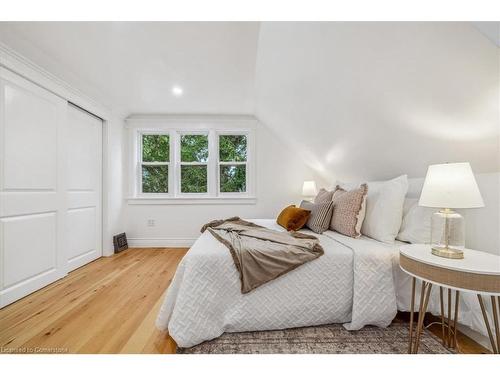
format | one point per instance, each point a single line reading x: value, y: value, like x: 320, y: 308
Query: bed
x: 356, y: 282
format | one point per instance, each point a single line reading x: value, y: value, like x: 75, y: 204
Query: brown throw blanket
x: 261, y: 254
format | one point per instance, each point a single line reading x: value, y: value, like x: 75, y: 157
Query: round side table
x: 478, y: 272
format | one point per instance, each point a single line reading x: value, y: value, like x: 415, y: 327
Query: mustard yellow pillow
x: 293, y: 218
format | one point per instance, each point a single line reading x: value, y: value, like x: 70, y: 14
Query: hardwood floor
x: 465, y: 344
x: 107, y: 306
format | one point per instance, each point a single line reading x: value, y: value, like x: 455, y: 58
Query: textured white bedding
x: 357, y: 282
x: 343, y: 286
x: 469, y: 310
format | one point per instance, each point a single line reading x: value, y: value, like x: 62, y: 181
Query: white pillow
x: 416, y: 225
x: 384, y: 208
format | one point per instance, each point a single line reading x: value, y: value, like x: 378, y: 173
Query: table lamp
x: 449, y: 186
x: 309, y: 190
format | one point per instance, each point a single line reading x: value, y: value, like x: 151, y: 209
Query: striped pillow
x: 321, y: 214
x: 323, y: 196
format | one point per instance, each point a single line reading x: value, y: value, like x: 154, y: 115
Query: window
x: 180, y: 161
x: 232, y: 163
x: 155, y: 161
x: 194, y: 163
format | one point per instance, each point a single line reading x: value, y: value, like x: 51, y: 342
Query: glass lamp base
x: 446, y: 252
x: 447, y: 234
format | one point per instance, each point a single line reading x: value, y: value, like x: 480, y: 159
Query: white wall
x: 279, y: 174
x: 113, y: 182
x: 375, y: 100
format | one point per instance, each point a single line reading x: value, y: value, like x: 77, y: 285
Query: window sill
x: 191, y: 200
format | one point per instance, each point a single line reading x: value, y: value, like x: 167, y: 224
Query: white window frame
x: 178, y: 125
x: 179, y: 163
x: 219, y: 162
x: 140, y: 163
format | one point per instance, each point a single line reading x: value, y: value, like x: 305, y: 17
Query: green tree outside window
x: 155, y: 159
x: 232, y: 159
x: 194, y: 150
x: 155, y: 147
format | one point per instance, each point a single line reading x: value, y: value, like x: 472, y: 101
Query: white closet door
x: 32, y: 228
x: 83, y: 142
x: 50, y: 187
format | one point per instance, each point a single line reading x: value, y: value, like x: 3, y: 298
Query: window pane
x: 155, y: 147
x: 233, y: 178
x: 194, y: 178
x: 233, y: 147
x: 155, y: 178
x: 194, y: 148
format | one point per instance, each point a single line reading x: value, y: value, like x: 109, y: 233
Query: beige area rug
x: 327, y: 339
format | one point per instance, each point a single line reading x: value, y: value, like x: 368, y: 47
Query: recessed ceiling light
x: 177, y: 91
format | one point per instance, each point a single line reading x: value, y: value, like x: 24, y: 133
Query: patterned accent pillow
x: 349, y: 210
x: 321, y: 214
x: 323, y: 196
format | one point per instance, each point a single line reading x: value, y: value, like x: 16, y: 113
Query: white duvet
x: 348, y: 284
x: 357, y: 282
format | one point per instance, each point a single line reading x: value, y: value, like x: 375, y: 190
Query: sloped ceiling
x: 374, y: 100
x: 132, y: 66
x: 355, y: 100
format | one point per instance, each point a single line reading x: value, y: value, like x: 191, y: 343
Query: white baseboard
x: 161, y: 242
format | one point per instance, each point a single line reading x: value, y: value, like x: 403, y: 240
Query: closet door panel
x: 33, y: 256
x: 31, y: 185
x: 83, y: 144
x: 30, y: 125
x: 83, y: 135
x: 82, y: 234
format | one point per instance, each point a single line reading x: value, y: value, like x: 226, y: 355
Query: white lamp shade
x: 450, y: 185
x: 309, y: 189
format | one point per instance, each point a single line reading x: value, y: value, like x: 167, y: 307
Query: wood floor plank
x: 144, y: 334
x: 97, y: 308
x: 117, y: 330
x: 69, y: 287
x: 56, y: 300
x: 107, y: 306
x: 90, y: 315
